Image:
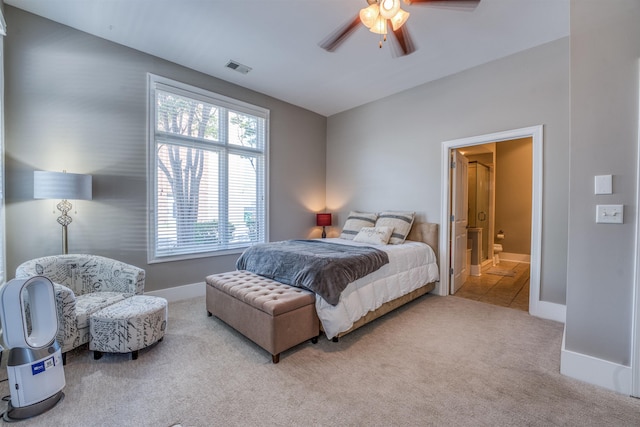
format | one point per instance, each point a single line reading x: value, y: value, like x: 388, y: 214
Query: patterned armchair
x: 83, y: 284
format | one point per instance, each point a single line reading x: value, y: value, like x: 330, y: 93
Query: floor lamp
x: 65, y: 186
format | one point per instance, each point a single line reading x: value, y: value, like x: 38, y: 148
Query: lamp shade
x: 323, y: 219
x: 399, y: 19
x: 61, y: 185
x: 369, y: 14
x: 379, y: 26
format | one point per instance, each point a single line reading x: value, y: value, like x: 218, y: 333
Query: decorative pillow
x: 401, y: 223
x: 374, y: 235
x: 355, y: 221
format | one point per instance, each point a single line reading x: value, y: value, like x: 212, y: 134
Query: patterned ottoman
x: 128, y: 326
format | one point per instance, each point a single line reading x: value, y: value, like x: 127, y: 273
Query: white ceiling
x: 279, y: 40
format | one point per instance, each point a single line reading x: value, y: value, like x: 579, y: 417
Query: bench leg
x: 314, y: 340
x: 209, y: 314
x: 275, y: 358
x: 97, y: 355
x: 134, y: 355
x: 64, y: 359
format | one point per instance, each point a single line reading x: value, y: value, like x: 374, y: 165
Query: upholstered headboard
x: 426, y: 232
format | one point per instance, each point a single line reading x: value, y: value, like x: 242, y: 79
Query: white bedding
x: 411, y: 265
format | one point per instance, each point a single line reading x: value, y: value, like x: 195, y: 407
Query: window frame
x: 155, y: 82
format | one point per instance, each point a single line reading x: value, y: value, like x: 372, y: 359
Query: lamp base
x: 65, y: 245
x: 324, y: 233
x: 64, y: 207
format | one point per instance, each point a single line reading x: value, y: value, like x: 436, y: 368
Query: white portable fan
x: 34, y: 368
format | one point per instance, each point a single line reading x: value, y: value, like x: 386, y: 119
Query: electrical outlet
x: 609, y: 214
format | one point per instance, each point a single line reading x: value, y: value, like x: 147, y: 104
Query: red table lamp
x: 323, y: 220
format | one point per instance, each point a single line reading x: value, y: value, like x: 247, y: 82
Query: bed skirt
x: 387, y: 307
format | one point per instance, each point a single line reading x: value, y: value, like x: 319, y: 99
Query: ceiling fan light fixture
x: 399, y: 19
x: 380, y: 26
x: 389, y: 8
x: 369, y: 14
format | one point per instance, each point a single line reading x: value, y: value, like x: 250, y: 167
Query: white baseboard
x: 548, y: 310
x: 508, y: 256
x: 475, y: 270
x: 595, y: 371
x: 179, y: 293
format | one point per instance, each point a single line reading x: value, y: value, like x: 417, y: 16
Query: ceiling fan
x: 382, y: 14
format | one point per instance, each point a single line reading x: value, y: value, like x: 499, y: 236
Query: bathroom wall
x: 513, y: 195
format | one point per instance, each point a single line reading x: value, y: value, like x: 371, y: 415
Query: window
x: 207, y: 174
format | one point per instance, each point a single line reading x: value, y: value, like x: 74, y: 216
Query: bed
x: 411, y: 272
x: 388, y: 288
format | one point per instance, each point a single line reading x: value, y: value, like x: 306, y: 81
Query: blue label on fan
x: 37, y: 368
x: 43, y: 365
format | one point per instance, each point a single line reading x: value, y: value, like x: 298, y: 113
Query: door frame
x: 536, y: 307
x: 635, y: 334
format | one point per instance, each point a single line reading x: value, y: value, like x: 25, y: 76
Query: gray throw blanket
x: 321, y: 267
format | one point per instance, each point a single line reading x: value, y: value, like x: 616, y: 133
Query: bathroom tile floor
x: 505, y: 291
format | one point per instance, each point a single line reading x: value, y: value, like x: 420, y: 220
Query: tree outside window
x: 209, y: 171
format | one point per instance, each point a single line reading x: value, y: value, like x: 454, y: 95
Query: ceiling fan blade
x: 457, y: 4
x: 332, y: 42
x: 402, y: 42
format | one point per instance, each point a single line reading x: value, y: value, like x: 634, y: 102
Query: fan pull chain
x: 383, y: 38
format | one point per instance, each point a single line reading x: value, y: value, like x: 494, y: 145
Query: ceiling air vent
x: 238, y: 67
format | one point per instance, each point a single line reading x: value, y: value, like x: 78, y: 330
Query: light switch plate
x: 609, y: 214
x: 604, y: 184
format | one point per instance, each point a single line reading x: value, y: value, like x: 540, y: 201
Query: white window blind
x: 208, y: 169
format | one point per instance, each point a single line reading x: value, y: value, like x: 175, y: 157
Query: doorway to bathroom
x: 506, y: 212
x: 498, y: 186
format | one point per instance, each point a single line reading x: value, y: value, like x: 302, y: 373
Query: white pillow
x: 355, y: 221
x: 401, y: 223
x: 374, y: 235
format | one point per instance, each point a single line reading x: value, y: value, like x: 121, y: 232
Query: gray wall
x: 605, y: 49
x: 371, y: 166
x: 78, y: 103
x: 514, y: 168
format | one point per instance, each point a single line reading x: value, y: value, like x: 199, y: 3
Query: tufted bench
x: 273, y: 315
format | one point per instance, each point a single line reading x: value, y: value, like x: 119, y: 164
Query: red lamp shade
x: 323, y: 219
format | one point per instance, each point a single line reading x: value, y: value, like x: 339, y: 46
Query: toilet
x: 497, y: 248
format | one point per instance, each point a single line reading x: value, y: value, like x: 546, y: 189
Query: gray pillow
x: 401, y: 223
x: 355, y: 221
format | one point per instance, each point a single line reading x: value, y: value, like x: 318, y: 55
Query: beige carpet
x: 438, y: 361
